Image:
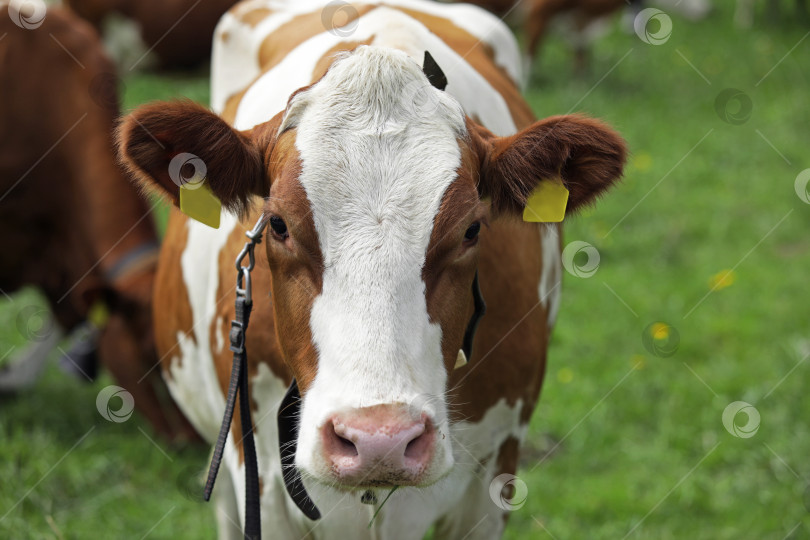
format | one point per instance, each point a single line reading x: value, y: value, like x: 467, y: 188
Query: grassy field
x: 700, y: 300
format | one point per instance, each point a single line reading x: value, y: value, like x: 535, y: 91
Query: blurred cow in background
x: 70, y: 224
x: 585, y: 20
x: 582, y: 20
x: 180, y: 32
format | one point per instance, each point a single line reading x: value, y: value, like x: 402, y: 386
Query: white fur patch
x: 389, y: 28
x: 235, y: 55
x: 375, y: 170
x: 193, y: 380
x: 235, y: 58
x: 549, y: 290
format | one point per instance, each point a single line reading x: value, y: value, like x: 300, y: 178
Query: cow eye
x: 472, y: 232
x: 279, y: 227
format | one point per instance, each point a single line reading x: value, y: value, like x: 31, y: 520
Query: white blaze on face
x: 375, y: 167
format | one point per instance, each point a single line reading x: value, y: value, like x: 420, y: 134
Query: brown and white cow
x: 375, y: 186
x: 70, y: 223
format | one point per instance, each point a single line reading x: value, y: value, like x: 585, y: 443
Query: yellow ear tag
x: 197, y: 201
x: 547, y: 202
x: 98, y: 314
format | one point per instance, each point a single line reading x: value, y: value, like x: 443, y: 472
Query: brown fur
x: 67, y: 214
x: 585, y: 153
x: 584, y: 12
x: 178, y: 31
x: 293, y: 33
x: 449, y: 269
x: 481, y: 57
x: 326, y: 60
x: 156, y: 133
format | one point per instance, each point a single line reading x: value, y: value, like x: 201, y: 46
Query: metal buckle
x: 237, y: 337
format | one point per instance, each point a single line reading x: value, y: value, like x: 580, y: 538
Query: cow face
x: 374, y: 207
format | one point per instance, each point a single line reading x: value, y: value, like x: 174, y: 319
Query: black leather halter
x: 290, y: 407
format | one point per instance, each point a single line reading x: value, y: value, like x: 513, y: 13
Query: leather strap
x: 288, y: 414
x: 239, y: 384
x: 472, y: 326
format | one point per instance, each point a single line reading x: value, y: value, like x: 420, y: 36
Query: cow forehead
x: 378, y: 148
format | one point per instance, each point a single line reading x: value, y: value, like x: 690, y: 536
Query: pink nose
x: 378, y: 446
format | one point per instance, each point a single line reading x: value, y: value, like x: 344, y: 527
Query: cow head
x: 374, y: 209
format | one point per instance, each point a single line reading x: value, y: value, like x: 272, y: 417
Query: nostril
x: 347, y: 447
x: 339, y: 445
x: 419, y: 446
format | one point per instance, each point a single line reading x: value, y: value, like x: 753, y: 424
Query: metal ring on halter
x: 243, y: 283
x: 246, y: 251
x: 247, y: 290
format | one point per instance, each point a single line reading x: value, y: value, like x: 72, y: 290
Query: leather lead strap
x: 239, y: 384
x: 253, y: 517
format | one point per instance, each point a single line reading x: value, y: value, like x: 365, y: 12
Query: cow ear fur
x: 152, y: 136
x: 585, y: 153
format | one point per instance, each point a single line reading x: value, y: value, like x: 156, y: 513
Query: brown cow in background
x: 582, y: 14
x: 535, y: 16
x: 180, y: 32
x: 70, y: 224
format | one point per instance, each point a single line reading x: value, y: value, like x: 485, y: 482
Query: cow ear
x: 586, y: 154
x: 165, y: 145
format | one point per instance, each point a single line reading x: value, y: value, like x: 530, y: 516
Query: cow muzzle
x: 383, y: 445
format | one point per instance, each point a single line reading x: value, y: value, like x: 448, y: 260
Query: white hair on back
x: 377, y: 88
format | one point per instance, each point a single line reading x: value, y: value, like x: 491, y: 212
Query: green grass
x: 642, y: 447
